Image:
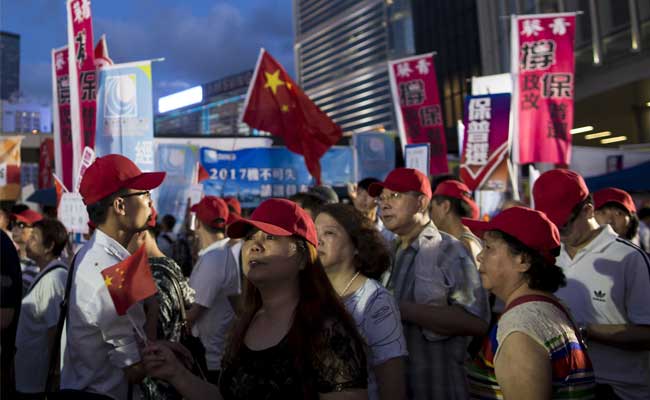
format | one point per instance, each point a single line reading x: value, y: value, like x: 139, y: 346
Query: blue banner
x: 125, y: 113
x: 253, y: 175
x: 179, y: 162
x: 375, y: 154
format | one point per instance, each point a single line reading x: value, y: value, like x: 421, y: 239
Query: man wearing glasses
x: 608, y: 286
x: 20, y: 234
x: 102, y: 353
x: 437, y: 286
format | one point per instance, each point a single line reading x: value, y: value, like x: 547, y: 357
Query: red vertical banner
x: 83, y: 77
x: 414, y: 86
x: 63, y: 157
x: 543, y: 63
x: 46, y: 164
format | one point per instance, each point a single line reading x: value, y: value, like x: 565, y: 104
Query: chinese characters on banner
x: 125, y: 113
x: 10, y: 167
x: 63, y: 157
x: 46, y: 164
x: 486, y: 141
x: 544, y: 86
x: 417, y: 106
x: 255, y: 174
x: 83, y: 82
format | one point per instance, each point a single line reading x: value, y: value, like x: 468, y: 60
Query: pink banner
x: 46, y: 164
x: 545, y: 86
x: 62, y: 126
x: 80, y: 18
x: 417, y: 106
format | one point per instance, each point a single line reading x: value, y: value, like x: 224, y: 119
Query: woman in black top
x: 294, y: 338
x: 166, y: 322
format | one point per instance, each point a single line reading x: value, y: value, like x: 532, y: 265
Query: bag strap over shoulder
x: 56, y: 349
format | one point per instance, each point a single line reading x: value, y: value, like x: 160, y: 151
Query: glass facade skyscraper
x: 341, y: 51
x: 9, y: 64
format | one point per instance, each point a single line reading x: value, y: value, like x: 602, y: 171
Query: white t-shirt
x: 378, y: 320
x: 100, y: 342
x: 608, y: 282
x: 39, y: 312
x: 214, y: 277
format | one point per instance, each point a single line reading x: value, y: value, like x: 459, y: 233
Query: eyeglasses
x: 22, y: 225
x: 385, y: 198
x: 146, y: 193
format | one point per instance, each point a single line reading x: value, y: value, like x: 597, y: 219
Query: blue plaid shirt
x: 437, y: 263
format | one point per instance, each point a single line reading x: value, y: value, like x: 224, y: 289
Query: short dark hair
x: 168, y: 221
x: 373, y: 257
x: 308, y: 202
x: 457, y: 206
x: 98, y: 211
x: 366, y: 182
x: 541, y: 275
x: 54, y: 233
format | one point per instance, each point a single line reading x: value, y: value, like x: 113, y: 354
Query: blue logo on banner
x: 121, y: 96
x: 125, y: 113
x: 253, y: 175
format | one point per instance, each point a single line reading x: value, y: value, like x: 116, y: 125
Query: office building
x: 9, y: 65
x: 212, y: 109
x: 341, y: 52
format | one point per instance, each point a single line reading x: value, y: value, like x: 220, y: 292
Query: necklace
x: 349, y: 283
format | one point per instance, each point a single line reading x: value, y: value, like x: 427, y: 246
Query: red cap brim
x: 241, y: 227
x: 194, y: 208
x: 476, y: 226
x: 375, y: 189
x: 146, y: 181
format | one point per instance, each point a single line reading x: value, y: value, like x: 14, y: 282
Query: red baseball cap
x: 403, y: 180
x: 532, y: 228
x: 614, y: 195
x: 209, y: 209
x: 557, y: 192
x: 457, y: 190
x: 280, y: 217
x: 113, y: 172
x: 28, y: 216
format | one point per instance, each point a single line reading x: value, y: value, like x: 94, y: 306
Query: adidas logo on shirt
x: 599, y: 295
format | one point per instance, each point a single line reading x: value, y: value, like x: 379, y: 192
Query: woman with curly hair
x: 535, y: 350
x: 294, y: 339
x: 354, y: 256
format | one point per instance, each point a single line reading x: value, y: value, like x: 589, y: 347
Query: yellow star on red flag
x: 273, y: 81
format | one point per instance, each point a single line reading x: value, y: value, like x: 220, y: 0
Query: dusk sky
x: 201, y: 40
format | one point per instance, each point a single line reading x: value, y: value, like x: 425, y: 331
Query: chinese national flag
x: 59, y: 188
x: 276, y: 104
x: 130, y: 281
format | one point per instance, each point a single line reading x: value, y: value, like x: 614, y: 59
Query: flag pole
x: 138, y: 329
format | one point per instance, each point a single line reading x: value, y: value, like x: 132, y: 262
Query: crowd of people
x: 400, y: 291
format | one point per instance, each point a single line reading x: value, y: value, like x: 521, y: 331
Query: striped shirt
x: 542, y: 319
x: 436, y: 269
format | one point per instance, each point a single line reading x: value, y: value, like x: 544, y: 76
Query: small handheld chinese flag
x: 276, y: 104
x: 130, y: 281
x: 59, y: 188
